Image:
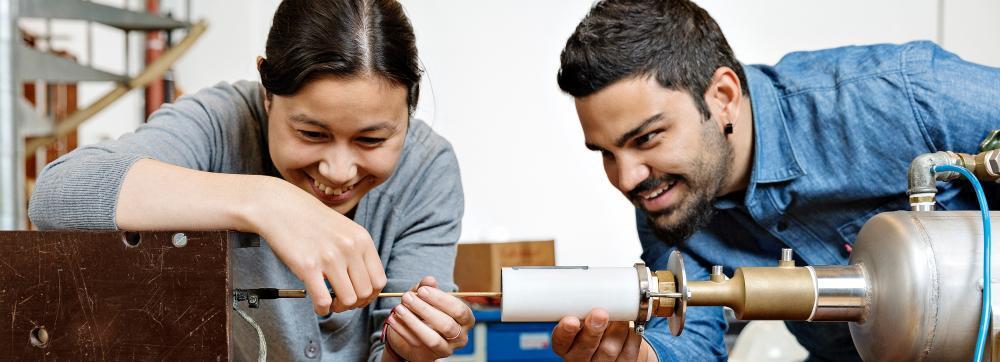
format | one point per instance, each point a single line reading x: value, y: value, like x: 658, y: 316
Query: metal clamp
x: 645, y: 307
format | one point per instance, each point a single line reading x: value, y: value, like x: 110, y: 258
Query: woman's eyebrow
x: 378, y: 127
x: 303, y: 119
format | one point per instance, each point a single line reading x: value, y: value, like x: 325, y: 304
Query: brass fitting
x: 922, y: 186
x: 786, y: 292
x: 987, y: 165
x: 664, y: 307
x: 783, y: 293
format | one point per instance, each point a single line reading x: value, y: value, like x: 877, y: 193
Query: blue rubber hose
x: 984, y: 319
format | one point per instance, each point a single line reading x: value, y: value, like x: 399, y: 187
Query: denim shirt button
x: 782, y: 226
x: 312, y: 350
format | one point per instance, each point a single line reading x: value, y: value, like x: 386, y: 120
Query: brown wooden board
x: 101, y: 299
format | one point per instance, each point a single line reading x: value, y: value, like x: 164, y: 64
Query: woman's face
x: 338, y: 138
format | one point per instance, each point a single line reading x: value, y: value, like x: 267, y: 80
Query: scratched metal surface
x: 99, y: 299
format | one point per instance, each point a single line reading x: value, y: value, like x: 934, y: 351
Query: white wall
x: 971, y: 30
x: 229, y: 48
x: 490, y: 89
x: 524, y: 167
x: 763, y: 31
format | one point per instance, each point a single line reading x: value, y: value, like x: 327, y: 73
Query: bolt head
x: 180, y: 240
x: 993, y: 165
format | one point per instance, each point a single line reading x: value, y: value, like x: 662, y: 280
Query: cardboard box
x: 477, y: 266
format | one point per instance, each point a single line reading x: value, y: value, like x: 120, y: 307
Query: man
x: 730, y: 163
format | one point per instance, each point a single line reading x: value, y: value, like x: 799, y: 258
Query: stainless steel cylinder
x: 924, y: 274
x: 840, y: 293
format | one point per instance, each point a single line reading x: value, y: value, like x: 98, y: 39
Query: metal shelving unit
x: 20, y: 63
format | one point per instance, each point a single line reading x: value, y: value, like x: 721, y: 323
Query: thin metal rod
x: 128, y: 49
x: 665, y: 295
x: 301, y: 293
x: 456, y: 294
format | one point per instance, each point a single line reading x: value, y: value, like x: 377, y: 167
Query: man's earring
x: 729, y: 128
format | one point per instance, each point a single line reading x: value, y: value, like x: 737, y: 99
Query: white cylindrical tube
x: 546, y: 294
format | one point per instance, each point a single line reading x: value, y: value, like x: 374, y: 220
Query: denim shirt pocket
x: 849, y: 230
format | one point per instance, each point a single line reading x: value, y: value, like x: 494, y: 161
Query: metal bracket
x: 248, y: 295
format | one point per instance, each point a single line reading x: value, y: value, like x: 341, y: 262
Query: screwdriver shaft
x: 301, y: 293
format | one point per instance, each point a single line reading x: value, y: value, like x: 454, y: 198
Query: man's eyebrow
x: 628, y: 135
x: 301, y: 118
x: 637, y: 130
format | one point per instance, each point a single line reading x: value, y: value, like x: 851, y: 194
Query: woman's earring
x: 729, y: 128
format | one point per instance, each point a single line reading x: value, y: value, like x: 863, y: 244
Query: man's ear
x: 724, y: 95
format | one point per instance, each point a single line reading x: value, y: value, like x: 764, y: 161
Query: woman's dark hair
x: 674, y: 41
x: 340, y: 38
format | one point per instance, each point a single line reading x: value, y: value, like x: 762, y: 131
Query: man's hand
x: 596, y: 339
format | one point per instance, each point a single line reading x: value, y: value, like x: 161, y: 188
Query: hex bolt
x: 993, y: 163
x: 180, y: 240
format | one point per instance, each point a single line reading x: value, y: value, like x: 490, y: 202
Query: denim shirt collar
x: 774, y: 158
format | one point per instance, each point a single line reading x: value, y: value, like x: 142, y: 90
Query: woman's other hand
x: 428, y: 324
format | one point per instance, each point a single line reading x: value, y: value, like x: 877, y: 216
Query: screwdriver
x: 274, y: 293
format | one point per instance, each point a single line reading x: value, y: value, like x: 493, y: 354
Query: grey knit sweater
x: 414, y: 217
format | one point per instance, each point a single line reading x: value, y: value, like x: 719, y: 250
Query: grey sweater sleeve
x: 80, y: 190
x: 427, y: 246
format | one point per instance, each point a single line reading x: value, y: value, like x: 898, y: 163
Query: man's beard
x: 711, y: 170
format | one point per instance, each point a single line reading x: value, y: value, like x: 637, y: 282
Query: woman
x: 367, y: 198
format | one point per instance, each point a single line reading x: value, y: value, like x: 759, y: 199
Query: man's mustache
x: 649, y: 184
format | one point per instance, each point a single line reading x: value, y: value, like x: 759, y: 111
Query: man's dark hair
x: 342, y: 38
x: 674, y: 41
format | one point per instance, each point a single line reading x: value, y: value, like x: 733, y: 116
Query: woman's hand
x: 316, y: 242
x: 428, y: 324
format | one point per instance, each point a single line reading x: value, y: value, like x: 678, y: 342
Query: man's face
x: 659, y: 151
x: 338, y: 138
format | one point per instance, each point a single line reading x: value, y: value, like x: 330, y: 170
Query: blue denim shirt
x: 834, y: 133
